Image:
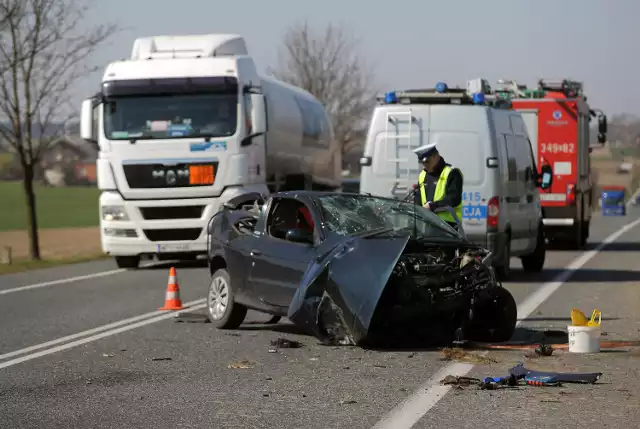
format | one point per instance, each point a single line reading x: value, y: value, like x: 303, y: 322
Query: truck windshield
x: 170, y: 117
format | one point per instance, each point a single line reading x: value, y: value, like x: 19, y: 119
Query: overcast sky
x: 415, y: 43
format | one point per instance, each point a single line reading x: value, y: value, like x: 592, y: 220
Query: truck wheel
x: 504, y: 269
x: 130, y: 262
x: 494, y: 316
x: 534, y: 262
x: 222, y: 309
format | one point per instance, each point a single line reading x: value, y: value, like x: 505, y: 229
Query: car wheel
x: 494, y: 316
x: 504, y: 269
x: 222, y: 310
x: 130, y: 262
x: 534, y: 262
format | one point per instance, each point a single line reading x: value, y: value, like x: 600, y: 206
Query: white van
x: 482, y: 137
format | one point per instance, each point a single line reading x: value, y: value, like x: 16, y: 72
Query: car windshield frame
x: 358, y: 214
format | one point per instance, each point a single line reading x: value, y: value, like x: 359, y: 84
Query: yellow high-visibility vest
x: 441, y: 187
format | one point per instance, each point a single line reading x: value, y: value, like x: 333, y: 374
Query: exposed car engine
x: 436, y: 296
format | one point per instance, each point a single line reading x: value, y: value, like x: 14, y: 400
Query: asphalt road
x: 60, y: 367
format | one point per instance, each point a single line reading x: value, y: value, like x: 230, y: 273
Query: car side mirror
x: 545, y: 179
x: 299, y: 235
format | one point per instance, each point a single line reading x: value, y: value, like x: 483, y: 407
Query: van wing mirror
x: 545, y: 179
x: 86, y: 121
x: 602, y: 123
x: 258, y: 114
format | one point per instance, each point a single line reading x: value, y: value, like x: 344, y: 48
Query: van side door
x: 515, y: 198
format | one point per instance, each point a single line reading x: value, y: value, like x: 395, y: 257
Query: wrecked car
x: 353, y: 269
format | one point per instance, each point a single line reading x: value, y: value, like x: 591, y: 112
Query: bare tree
x: 43, y: 53
x: 329, y: 66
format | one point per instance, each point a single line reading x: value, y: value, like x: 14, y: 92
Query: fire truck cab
x: 558, y: 119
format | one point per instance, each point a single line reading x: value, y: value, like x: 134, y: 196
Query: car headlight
x: 110, y: 213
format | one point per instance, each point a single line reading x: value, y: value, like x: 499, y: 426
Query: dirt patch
x: 56, y: 243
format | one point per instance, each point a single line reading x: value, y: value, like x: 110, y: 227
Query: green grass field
x: 56, y: 207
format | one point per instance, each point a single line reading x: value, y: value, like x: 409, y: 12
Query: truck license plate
x: 173, y: 247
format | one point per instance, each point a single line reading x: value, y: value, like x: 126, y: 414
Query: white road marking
x: 413, y: 408
x: 95, y: 337
x: 93, y: 331
x: 75, y: 279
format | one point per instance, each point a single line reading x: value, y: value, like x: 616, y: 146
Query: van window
x: 512, y: 157
x: 464, y: 151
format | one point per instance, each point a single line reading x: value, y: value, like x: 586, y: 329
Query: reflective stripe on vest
x: 441, y: 187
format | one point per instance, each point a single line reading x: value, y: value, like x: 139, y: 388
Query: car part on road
x: 520, y: 372
x: 222, y: 309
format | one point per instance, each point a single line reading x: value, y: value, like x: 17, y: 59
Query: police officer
x: 439, y: 184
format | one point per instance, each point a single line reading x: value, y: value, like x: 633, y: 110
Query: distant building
x: 69, y: 160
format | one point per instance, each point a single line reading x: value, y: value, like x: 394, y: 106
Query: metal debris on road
x: 108, y: 355
x: 283, y: 343
x: 348, y: 402
x: 191, y: 318
x: 544, y: 350
x: 243, y: 364
x: 520, y: 372
x: 157, y: 359
x: 452, y: 380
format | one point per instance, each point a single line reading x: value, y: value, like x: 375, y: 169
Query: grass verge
x: 21, y: 265
x: 56, y: 207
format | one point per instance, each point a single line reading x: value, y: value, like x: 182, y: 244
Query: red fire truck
x: 558, y: 121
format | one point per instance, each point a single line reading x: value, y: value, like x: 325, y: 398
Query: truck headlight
x: 110, y: 213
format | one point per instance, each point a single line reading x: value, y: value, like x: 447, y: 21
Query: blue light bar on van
x: 390, y: 97
x: 478, y: 98
x: 441, y: 87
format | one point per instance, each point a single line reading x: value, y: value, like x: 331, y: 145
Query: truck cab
x: 182, y: 127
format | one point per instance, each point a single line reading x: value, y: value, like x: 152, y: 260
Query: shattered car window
x: 356, y: 214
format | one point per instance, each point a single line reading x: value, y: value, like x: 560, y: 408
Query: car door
x: 277, y: 264
x: 534, y: 213
x: 514, y: 193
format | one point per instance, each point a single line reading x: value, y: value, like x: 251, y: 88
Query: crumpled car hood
x: 353, y: 272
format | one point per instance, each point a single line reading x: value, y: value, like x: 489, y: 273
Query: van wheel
x: 222, y: 309
x: 534, y: 262
x: 504, y: 269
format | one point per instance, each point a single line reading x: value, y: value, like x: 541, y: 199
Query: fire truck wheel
x: 534, y: 262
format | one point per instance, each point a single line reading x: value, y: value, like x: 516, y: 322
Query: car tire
x: 494, y: 317
x: 127, y: 262
x: 222, y: 309
x: 504, y: 269
x: 534, y: 262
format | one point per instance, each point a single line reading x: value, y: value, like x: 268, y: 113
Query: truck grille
x: 175, y: 234
x: 181, y: 212
x: 180, y: 175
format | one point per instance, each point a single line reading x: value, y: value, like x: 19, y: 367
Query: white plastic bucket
x: 584, y: 339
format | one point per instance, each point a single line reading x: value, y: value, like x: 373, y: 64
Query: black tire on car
x: 534, y: 262
x: 128, y: 262
x: 494, y: 316
x: 222, y: 310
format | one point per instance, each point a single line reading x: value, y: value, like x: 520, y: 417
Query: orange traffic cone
x: 172, y: 300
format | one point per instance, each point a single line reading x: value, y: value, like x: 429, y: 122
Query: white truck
x: 186, y: 124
